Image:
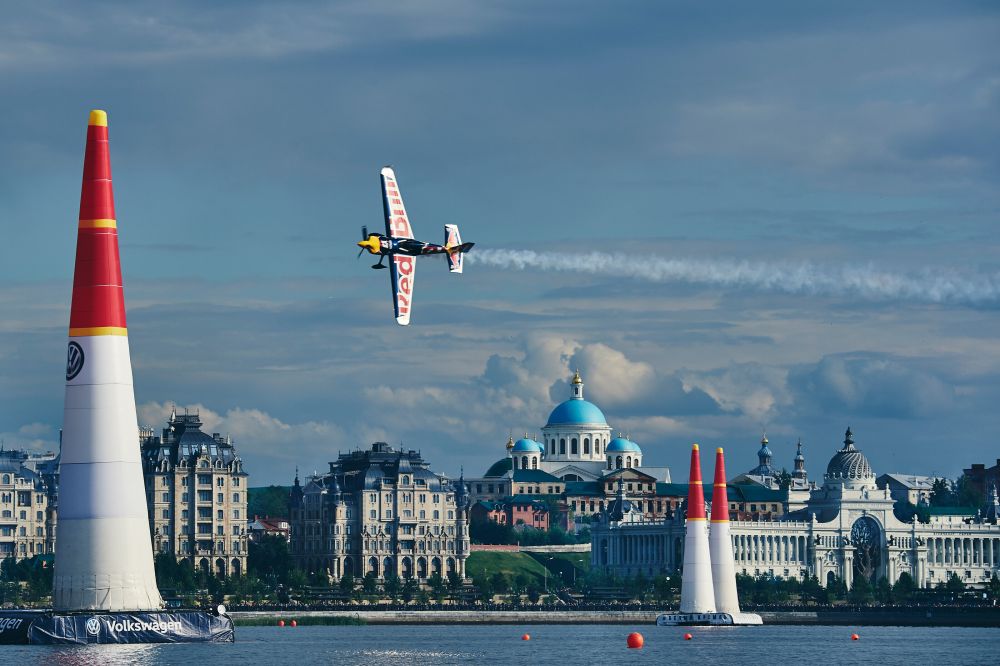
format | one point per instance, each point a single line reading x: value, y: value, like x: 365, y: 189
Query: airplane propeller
x: 364, y: 236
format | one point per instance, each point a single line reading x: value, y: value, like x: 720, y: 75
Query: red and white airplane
x: 402, y: 249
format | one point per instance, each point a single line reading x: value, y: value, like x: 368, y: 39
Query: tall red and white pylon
x: 104, y: 559
x: 697, y: 595
x: 721, y: 544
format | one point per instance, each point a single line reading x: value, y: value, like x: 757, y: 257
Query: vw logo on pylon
x: 74, y: 360
x: 93, y: 626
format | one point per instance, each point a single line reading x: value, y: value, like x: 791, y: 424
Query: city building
x: 260, y: 527
x: 983, y: 478
x: 519, y: 512
x: 196, y: 495
x: 28, y: 484
x: 846, y: 529
x: 575, y: 466
x: 907, y: 487
x: 380, y: 511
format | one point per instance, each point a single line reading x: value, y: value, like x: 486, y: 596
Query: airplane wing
x: 397, y: 224
x: 401, y: 271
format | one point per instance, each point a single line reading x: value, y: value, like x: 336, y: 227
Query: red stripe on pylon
x: 98, y: 298
x: 720, y: 499
x: 696, y: 496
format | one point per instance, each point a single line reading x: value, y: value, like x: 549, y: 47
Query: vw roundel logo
x: 74, y: 361
x: 93, y: 624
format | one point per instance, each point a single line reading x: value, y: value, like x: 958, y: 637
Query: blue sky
x: 749, y: 216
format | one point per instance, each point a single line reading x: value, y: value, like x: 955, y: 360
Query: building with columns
x: 846, y: 529
x: 380, y: 511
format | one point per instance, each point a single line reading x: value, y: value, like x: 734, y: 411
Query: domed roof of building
x: 849, y: 463
x: 575, y: 411
x: 526, y: 445
x: 622, y: 445
x: 499, y: 468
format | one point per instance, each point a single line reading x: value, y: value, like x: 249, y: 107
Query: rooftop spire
x: 577, y: 386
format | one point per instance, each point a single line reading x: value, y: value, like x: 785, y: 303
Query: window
x: 6, y: 479
x: 586, y: 445
x: 236, y: 482
x: 39, y: 515
x: 236, y: 530
x: 165, y: 482
x: 236, y: 546
x: 219, y: 515
x: 562, y: 446
x: 166, y: 497
x: 479, y: 488
x: 185, y: 481
x: 437, y: 499
x: 236, y: 514
x: 38, y: 531
x: 184, y: 514
x: 220, y: 481
x: 423, y: 515
x: 236, y: 498
x: 204, y: 479
x: 204, y: 495
x: 219, y: 530
x: 406, y: 480
x: 184, y: 497
x: 166, y: 513
x: 573, y: 446
x: 437, y: 516
x: 372, y: 514
x: 220, y: 498
x: 388, y: 513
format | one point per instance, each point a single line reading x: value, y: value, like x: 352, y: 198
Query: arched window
x: 562, y: 446
x: 609, y: 462
x: 586, y: 446
x: 573, y: 446
x: 597, y: 446
x: 628, y: 461
x: 524, y: 462
x: 6, y: 479
x: 618, y: 462
x: 553, y: 443
x: 534, y: 463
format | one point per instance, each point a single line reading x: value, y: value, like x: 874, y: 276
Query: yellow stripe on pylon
x: 97, y: 330
x: 98, y: 224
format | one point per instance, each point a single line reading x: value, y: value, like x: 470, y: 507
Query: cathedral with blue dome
x: 574, y: 465
x: 576, y: 445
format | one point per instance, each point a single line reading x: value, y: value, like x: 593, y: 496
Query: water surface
x: 564, y: 645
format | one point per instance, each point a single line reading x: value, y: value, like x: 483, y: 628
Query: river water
x: 565, y: 645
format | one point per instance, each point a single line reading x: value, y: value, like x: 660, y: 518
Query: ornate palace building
x: 380, y: 511
x: 847, y: 528
x: 196, y: 494
x: 28, y: 483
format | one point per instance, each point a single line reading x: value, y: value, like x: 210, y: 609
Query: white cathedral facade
x: 847, y: 528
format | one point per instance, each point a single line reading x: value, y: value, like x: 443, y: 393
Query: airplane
x: 402, y: 249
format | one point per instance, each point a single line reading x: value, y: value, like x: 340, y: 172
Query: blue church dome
x: 527, y: 446
x: 576, y: 411
x: 622, y: 445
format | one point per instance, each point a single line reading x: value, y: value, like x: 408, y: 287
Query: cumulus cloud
x: 871, y: 384
x: 32, y: 437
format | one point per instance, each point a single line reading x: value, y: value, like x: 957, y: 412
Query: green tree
x: 812, y: 591
x: 941, y: 493
x: 410, y: 588
x: 955, y: 584
x: 270, y: 501
x: 437, y: 585
x: 784, y: 479
x: 484, y: 587
x: 500, y: 583
x: 902, y: 591
x: 369, y: 584
x: 392, y: 586
x: 883, y: 591
x: 966, y: 494
x: 346, y: 584
x: 454, y: 583
x: 993, y: 587
x: 836, y: 589
x: 861, y: 592
x: 269, y: 559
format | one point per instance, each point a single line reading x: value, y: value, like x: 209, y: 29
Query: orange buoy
x: 294, y: 623
x: 526, y: 637
x: 855, y: 637
x: 635, y: 640
x: 688, y: 637
x: 281, y: 623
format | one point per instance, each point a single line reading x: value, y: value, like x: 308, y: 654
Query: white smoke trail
x: 929, y: 286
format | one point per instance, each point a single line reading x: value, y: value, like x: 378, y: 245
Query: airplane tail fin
x: 456, y: 248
